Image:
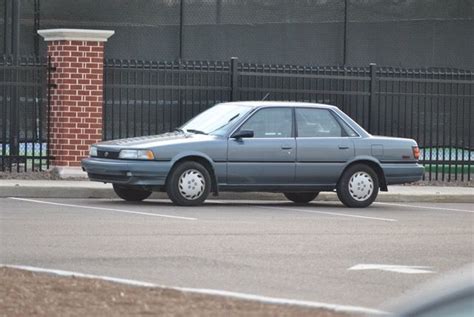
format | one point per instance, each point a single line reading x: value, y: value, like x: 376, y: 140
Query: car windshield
x: 216, y: 120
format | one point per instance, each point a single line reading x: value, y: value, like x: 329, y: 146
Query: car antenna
x: 268, y: 94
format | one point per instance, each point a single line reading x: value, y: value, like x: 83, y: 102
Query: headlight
x: 93, y: 151
x: 137, y: 154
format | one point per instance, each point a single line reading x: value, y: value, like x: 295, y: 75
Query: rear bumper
x: 130, y: 172
x: 402, y: 173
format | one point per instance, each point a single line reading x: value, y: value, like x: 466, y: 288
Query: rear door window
x: 313, y: 123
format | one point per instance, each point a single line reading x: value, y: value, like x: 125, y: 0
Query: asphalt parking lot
x: 319, y: 252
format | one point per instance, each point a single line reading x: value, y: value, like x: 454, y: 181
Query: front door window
x: 270, y: 123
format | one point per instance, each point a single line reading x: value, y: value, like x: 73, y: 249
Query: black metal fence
x: 23, y: 114
x: 143, y: 98
x: 433, y: 106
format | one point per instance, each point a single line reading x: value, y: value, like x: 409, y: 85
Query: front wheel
x: 130, y: 193
x: 188, y: 184
x: 358, y: 186
x: 301, y: 198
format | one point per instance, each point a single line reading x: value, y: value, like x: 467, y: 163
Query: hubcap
x: 191, y: 184
x: 361, y: 186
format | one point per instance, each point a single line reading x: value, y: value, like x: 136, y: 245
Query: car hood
x: 156, y: 140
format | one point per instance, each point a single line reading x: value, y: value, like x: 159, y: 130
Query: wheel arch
x: 202, y: 159
x: 372, y: 164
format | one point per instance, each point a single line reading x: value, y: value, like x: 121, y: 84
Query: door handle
x: 342, y: 147
x: 286, y: 147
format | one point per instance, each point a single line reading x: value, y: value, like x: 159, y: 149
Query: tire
x: 301, y: 198
x: 358, y: 186
x: 130, y: 193
x: 189, y: 184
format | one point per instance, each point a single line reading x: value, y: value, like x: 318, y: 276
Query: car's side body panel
x: 320, y: 161
x: 261, y: 161
x: 393, y: 155
x: 385, y: 149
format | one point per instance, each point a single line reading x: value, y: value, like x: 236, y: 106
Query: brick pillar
x: 77, y: 98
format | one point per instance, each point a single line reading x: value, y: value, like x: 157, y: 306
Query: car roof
x: 256, y: 104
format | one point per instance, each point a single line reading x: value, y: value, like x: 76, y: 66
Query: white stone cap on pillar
x: 69, y: 172
x: 76, y: 35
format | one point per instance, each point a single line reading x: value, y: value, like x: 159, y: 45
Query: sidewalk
x: 87, y: 189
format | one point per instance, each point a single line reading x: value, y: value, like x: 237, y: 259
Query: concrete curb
x: 86, y: 189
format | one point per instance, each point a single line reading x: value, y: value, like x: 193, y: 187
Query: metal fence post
x: 181, y: 29
x: 234, y: 78
x: 344, y: 53
x: 373, y: 82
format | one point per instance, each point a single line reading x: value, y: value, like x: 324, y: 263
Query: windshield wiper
x: 195, y: 131
x: 179, y: 130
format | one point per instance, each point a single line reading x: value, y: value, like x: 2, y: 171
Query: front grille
x: 108, y: 154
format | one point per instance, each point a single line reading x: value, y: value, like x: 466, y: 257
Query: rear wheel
x: 130, y: 193
x: 358, y: 186
x: 188, y: 184
x: 301, y: 198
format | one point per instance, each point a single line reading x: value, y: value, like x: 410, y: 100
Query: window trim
x: 339, y: 119
x: 345, y: 121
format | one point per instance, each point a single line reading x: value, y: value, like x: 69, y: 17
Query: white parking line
x: 405, y: 269
x: 221, y: 293
x: 102, y: 208
x: 330, y: 213
x: 425, y: 207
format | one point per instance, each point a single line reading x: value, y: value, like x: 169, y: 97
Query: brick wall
x: 76, y: 101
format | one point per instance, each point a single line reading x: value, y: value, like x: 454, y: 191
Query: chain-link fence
x: 406, y: 33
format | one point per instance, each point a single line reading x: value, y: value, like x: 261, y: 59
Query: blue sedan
x: 298, y: 149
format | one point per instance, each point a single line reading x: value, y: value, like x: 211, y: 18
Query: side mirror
x: 243, y: 134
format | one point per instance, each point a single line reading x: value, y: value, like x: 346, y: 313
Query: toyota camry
x: 298, y: 149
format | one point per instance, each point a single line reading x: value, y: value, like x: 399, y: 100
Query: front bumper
x: 401, y: 173
x: 130, y: 172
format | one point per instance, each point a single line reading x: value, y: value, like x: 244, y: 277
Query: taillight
x: 416, y: 152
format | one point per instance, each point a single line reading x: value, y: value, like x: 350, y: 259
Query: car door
x: 269, y: 156
x: 324, y: 145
